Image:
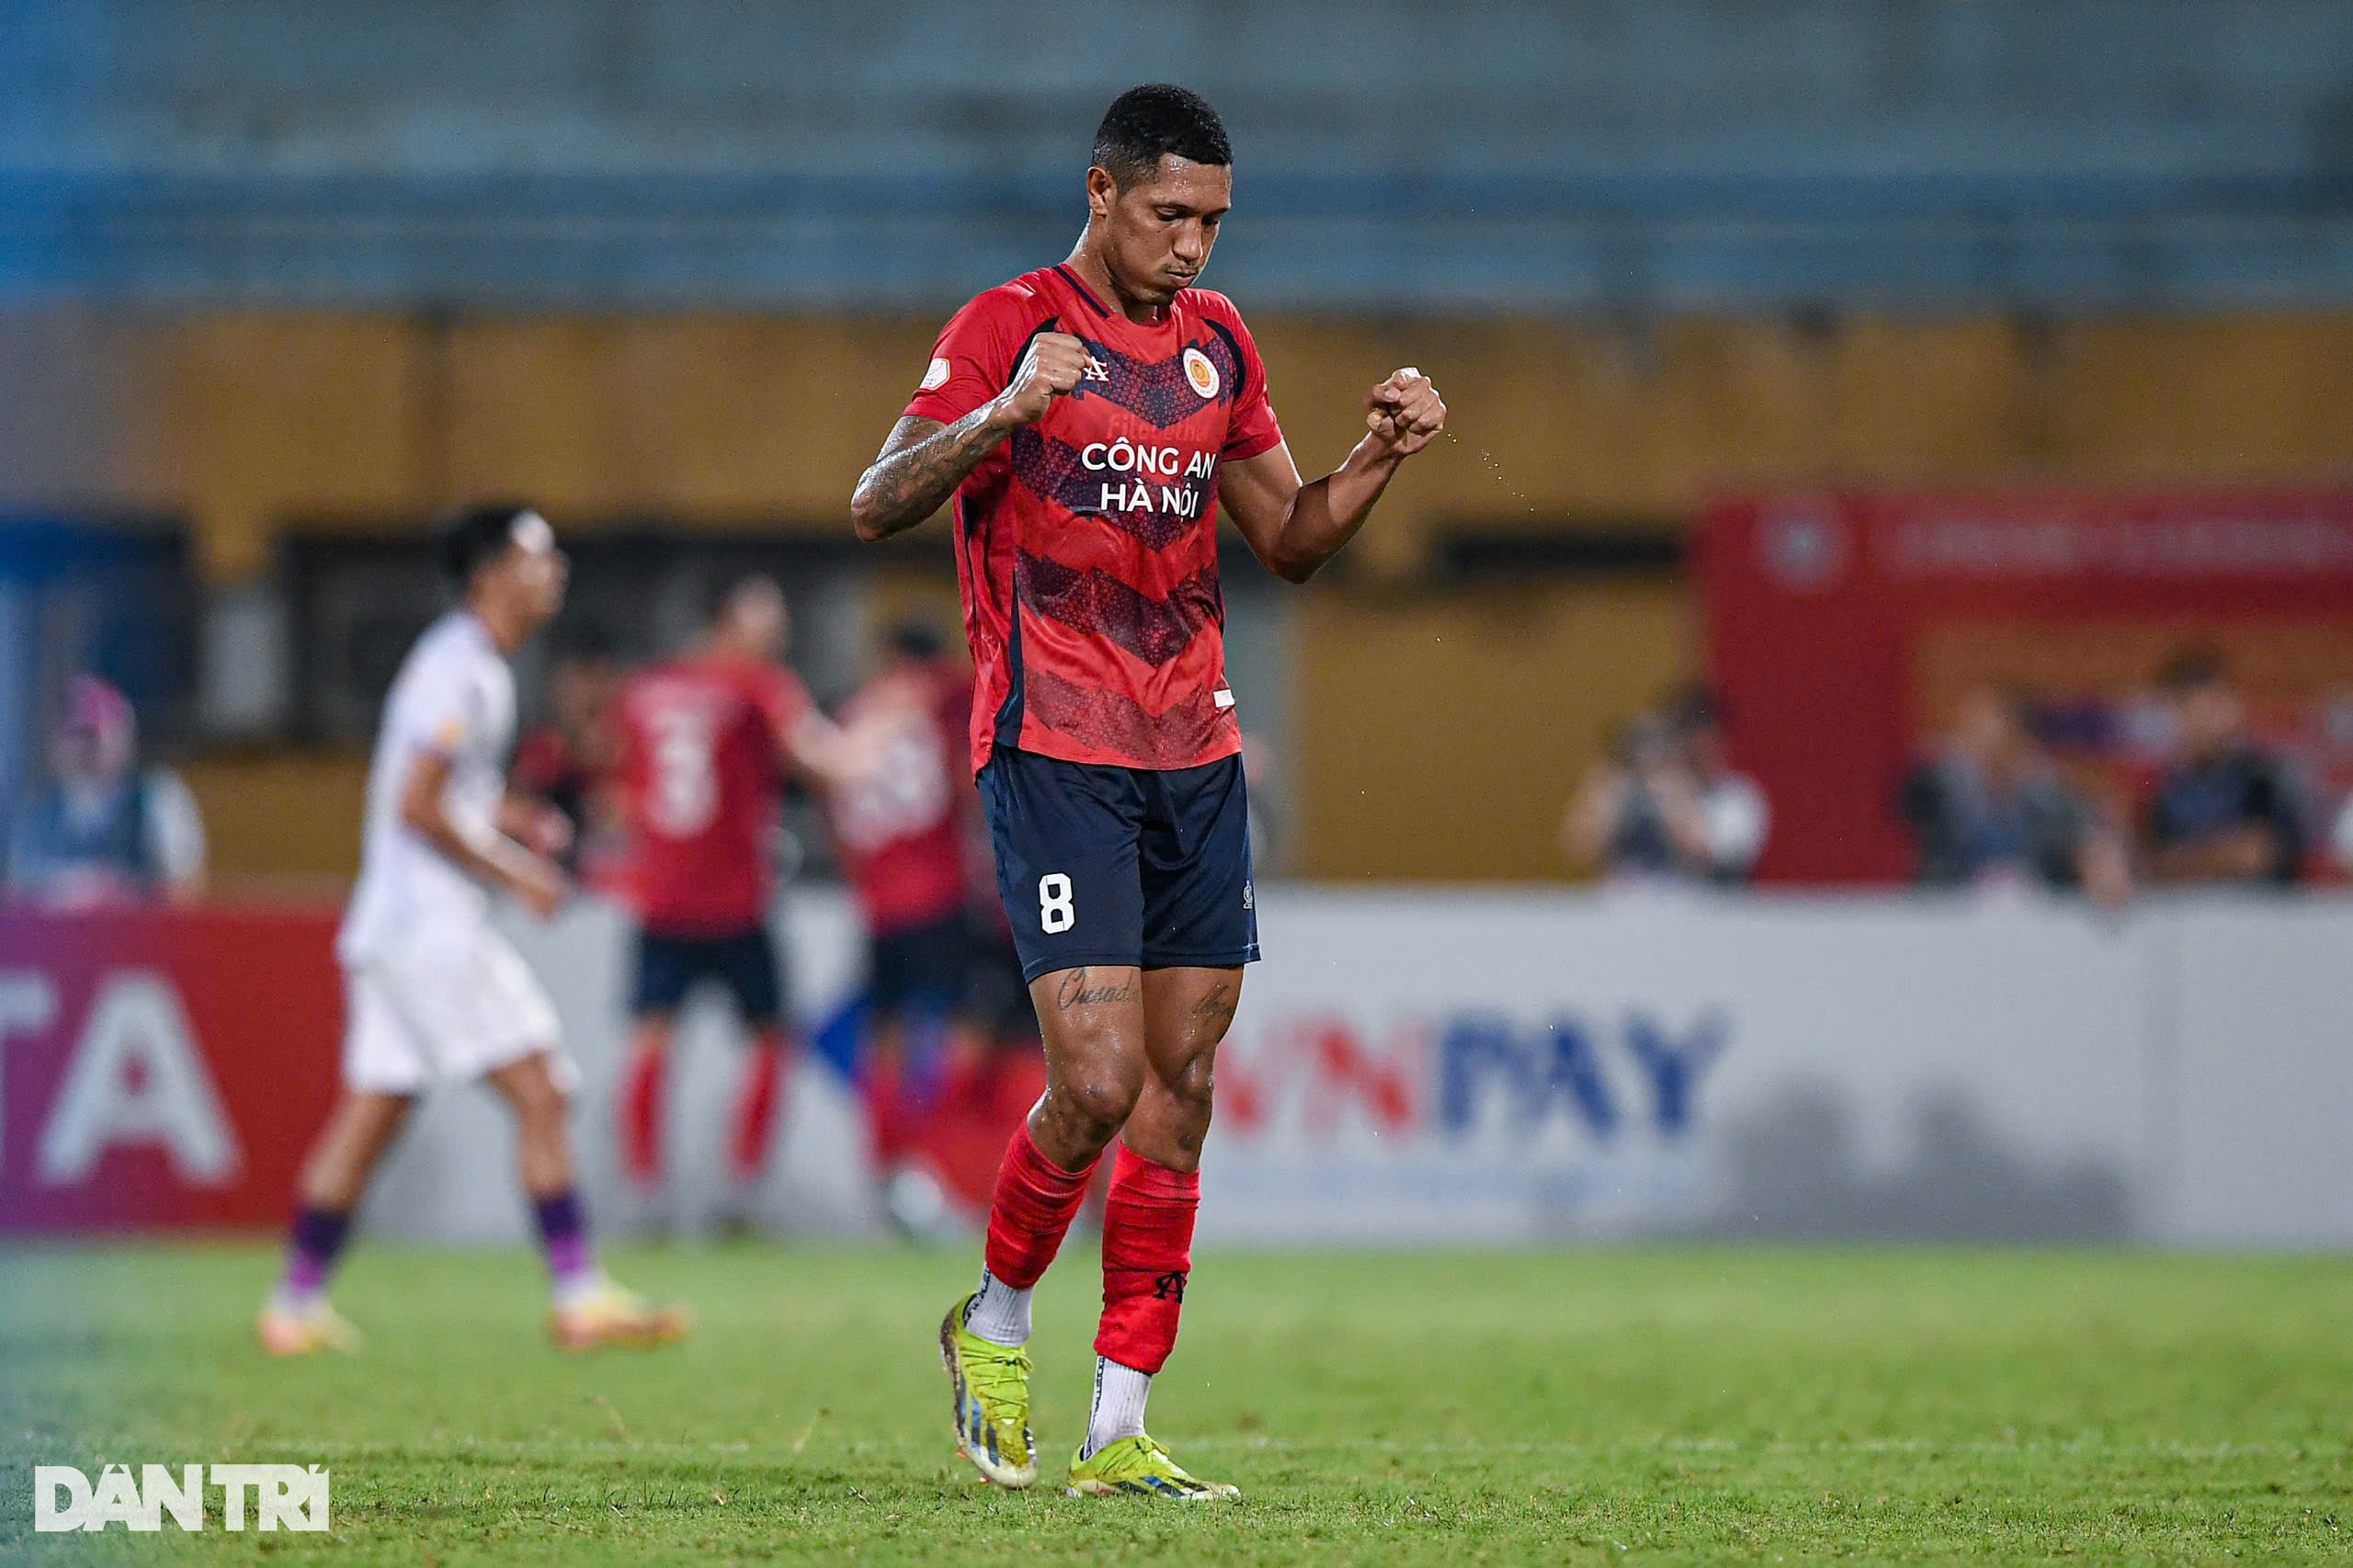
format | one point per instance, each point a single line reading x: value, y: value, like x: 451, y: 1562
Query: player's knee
x: 1095, y: 1105
x: 534, y: 1093
x: 1193, y: 1085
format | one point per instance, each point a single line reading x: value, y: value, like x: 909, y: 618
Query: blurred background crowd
x: 1892, y: 447
x: 2004, y: 797
x: 272, y: 295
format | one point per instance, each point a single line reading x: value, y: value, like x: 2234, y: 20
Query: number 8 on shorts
x: 1055, y: 912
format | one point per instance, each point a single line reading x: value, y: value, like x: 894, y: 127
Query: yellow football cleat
x: 303, y: 1331
x: 992, y: 1388
x: 1140, y: 1467
x: 611, y: 1315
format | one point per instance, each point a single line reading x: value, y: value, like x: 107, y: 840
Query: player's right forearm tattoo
x: 905, y: 486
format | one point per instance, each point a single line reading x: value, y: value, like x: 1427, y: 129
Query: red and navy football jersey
x: 1086, y: 543
x: 701, y: 773
x: 903, y: 826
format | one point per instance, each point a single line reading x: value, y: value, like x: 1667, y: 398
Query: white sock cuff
x: 999, y: 1313
x: 1118, y: 1411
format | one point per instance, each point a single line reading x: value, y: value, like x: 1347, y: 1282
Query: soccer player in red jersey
x: 951, y: 1039
x: 1089, y: 419
x: 902, y: 826
x: 902, y: 832
x: 704, y: 744
x: 561, y: 762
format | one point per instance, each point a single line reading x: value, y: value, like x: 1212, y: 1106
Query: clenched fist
x: 1405, y: 412
x: 1049, y: 369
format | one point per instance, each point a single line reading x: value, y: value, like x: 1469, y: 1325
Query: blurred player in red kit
x: 939, y: 1093
x: 904, y: 833
x: 1089, y: 420
x: 903, y: 827
x: 705, y: 744
x: 564, y: 761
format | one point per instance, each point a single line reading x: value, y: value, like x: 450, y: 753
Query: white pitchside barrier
x: 1498, y: 1067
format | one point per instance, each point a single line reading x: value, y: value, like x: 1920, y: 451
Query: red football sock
x: 1147, y: 1252
x: 642, y: 1105
x: 1033, y: 1206
x: 758, y: 1095
x: 886, y: 1119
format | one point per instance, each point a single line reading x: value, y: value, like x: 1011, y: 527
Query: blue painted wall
x: 1599, y: 153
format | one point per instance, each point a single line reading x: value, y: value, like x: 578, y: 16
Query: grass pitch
x: 1666, y: 1406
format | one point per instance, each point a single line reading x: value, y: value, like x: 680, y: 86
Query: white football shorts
x: 420, y: 1013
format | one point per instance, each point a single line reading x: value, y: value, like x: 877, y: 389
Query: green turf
x: 1697, y: 1405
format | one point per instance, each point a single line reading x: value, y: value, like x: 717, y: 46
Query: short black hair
x: 2189, y: 668
x: 1146, y: 124
x: 468, y: 538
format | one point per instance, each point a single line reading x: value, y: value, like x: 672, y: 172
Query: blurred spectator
x: 2224, y: 809
x: 566, y: 761
x: 1991, y: 809
x: 2340, y: 838
x: 103, y: 830
x: 1667, y: 806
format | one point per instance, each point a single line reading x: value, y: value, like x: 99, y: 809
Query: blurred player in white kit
x: 434, y: 992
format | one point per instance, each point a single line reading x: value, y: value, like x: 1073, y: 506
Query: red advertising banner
x: 161, y: 1068
x: 1842, y: 625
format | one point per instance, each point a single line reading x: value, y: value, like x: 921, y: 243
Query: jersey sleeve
x: 627, y: 765
x: 972, y: 361
x: 174, y: 828
x: 1252, y: 428
x: 783, y: 702
x: 443, y: 709
x: 539, y: 760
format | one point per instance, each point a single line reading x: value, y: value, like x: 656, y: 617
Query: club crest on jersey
x: 1095, y: 370
x: 1200, y: 372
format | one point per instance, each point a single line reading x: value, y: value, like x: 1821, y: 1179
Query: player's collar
x: 478, y: 629
x: 1078, y: 283
x: 1095, y: 302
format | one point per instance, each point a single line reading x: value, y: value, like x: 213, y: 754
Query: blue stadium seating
x: 1598, y: 153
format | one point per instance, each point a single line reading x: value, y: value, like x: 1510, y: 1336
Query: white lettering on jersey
x: 905, y: 794
x: 686, y: 768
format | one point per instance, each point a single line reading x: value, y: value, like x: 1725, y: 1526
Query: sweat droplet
x: 1496, y: 469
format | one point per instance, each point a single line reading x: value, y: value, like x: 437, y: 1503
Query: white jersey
x: 455, y: 695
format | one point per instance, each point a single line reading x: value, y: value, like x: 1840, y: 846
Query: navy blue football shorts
x: 1107, y: 865
x: 924, y: 965
x: 744, y: 962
